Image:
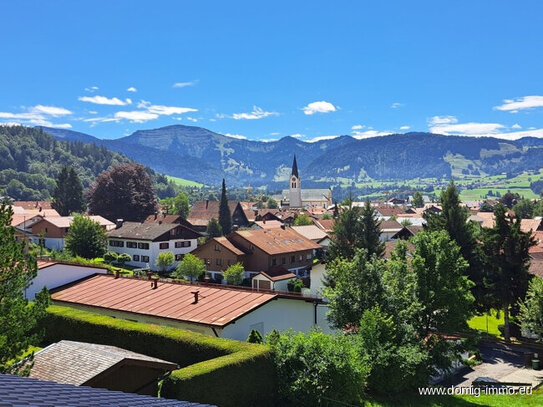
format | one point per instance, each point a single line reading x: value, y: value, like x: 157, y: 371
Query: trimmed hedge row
x: 216, y: 371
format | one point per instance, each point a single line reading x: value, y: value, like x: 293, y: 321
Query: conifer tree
x: 68, y: 195
x: 225, y: 217
x: 371, y: 231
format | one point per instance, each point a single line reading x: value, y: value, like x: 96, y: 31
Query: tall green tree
x: 418, y: 200
x: 122, y: 192
x: 371, y: 231
x: 178, y: 205
x: 225, y: 217
x: 164, y: 260
x: 443, y: 289
x: 524, y: 209
x: 507, y: 260
x: 302, y: 220
x: 68, y: 195
x: 347, y: 233
x: 234, y: 274
x: 213, y: 229
x: 18, y: 318
x: 191, y: 267
x: 454, y: 220
x: 86, y: 238
x: 531, y: 309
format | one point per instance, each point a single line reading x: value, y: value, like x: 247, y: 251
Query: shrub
x: 123, y: 258
x: 110, y: 257
x: 234, y: 274
x: 254, y: 337
x: 314, y: 369
x: 191, y: 266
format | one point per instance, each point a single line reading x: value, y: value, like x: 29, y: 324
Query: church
x: 296, y: 197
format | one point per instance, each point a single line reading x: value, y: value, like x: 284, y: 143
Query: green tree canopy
x: 213, y: 229
x: 123, y: 192
x: 225, y: 217
x: 234, y: 274
x: 86, y: 238
x: 68, y: 195
x: 418, y: 200
x: 191, y: 267
x: 507, y: 260
x: 164, y: 260
x: 302, y: 220
x: 178, y: 205
x: 531, y: 309
x: 524, y: 209
x: 18, y: 318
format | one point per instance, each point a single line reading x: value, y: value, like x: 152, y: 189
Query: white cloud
x: 238, y: 136
x: 136, y: 116
x: 467, y: 129
x: 359, y: 135
x: 437, y: 120
x: 268, y: 140
x: 525, y: 102
x: 257, y: 113
x: 165, y: 110
x: 39, y: 115
x: 185, y: 84
x: 357, y: 127
x: 275, y: 133
x: 405, y: 127
x: 319, y: 107
x: 102, y: 100
x: 212, y: 120
x: 91, y: 89
x: 192, y: 119
x: 297, y: 135
x: 516, y: 126
x: 131, y: 89
x: 396, y: 105
x: 321, y: 138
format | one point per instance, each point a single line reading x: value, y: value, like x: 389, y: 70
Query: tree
x: 213, y: 229
x: 352, y: 287
x: 506, y: 261
x: 524, y: 209
x: 255, y: 337
x: 86, y: 238
x: 225, y: 217
x: 346, y: 235
x: 531, y: 309
x: 272, y: 204
x: 164, y: 260
x: 371, y: 231
x: 406, y: 222
x: 68, y: 195
x: 234, y: 274
x: 418, y: 200
x: 486, y: 207
x: 302, y: 220
x: 326, y: 216
x: 123, y: 258
x: 538, y: 208
x: 110, y: 257
x: 443, y: 290
x: 18, y: 318
x: 191, y: 267
x: 122, y: 192
x: 509, y: 199
x: 454, y: 220
x: 178, y: 205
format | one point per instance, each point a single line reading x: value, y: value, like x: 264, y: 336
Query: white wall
x: 57, y: 275
x: 316, y: 274
x: 280, y: 314
x: 53, y: 243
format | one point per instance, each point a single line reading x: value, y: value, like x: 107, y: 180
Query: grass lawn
x: 414, y: 400
x: 478, y: 322
x: 184, y: 182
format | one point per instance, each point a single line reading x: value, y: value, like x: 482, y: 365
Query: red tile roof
x: 33, y: 204
x: 203, y: 211
x: 269, y: 224
x: 536, y: 264
x: 277, y: 241
x: 278, y: 277
x: 326, y: 224
x: 216, y: 306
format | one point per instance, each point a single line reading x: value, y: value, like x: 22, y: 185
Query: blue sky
x: 265, y: 70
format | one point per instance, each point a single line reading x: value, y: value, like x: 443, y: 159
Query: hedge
x: 214, y: 370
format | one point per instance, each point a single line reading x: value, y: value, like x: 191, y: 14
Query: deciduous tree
x: 164, y: 260
x: 234, y: 274
x: 191, y: 267
x: 86, y: 238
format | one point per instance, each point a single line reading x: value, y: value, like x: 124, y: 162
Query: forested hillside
x: 30, y: 160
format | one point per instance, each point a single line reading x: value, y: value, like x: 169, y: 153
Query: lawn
x: 184, y: 182
x: 479, y: 323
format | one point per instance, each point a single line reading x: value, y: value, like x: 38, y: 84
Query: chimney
x: 39, y: 208
x: 117, y: 273
x: 283, y: 226
x: 207, y: 203
x: 156, y: 215
x: 195, y: 296
x: 119, y: 223
x: 264, y: 221
x: 154, y: 283
x: 149, y: 275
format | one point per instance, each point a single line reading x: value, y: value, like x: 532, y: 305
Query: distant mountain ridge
x: 201, y: 155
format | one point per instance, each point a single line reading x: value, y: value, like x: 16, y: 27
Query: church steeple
x: 295, y: 168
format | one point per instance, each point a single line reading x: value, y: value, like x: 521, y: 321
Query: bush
x: 234, y: 274
x: 295, y: 284
x: 255, y: 337
x: 191, y: 266
x: 314, y: 369
x: 213, y: 370
x: 110, y: 257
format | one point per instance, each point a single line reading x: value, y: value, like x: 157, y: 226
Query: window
x: 164, y: 245
x: 136, y: 257
x: 145, y: 259
x: 217, y: 248
x: 274, y: 262
x: 300, y: 258
x: 308, y: 256
x: 182, y: 244
x: 116, y: 243
x: 179, y: 257
x: 293, y: 259
x: 283, y: 260
x: 218, y: 262
x: 144, y: 246
x: 230, y: 262
x: 132, y: 245
x: 251, y: 247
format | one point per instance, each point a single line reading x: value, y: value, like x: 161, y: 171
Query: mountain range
x: 198, y: 154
